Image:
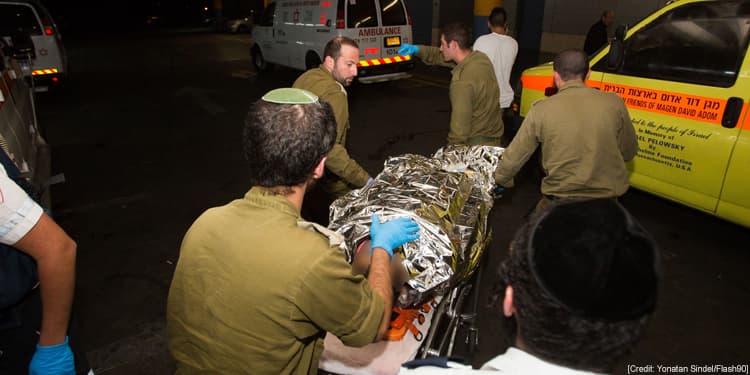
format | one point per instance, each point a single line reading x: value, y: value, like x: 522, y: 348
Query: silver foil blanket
x: 449, y: 195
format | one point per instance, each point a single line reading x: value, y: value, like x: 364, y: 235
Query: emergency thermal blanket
x: 449, y: 195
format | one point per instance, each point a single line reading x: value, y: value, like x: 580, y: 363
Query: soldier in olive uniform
x: 327, y: 81
x: 256, y: 288
x: 475, y: 116
x: 586, y: 137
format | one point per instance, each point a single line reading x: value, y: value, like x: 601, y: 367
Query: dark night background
x: 90, y: 17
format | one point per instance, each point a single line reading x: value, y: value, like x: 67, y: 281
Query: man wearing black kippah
x: 581, y: 282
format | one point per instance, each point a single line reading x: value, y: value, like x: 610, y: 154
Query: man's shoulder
x: 315, y: 76
x: 478, y: 62
x: 319, y: 83
x: 509, y: 41
x: 478, y: 68
x: 610, y: 97
x: 483, y: 41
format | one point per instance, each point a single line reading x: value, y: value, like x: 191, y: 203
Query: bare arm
x: 55, y: 254
x: 379, y: 279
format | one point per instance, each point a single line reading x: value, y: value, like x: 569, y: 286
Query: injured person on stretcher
x: 449, y: 195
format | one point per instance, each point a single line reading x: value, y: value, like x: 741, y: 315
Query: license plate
x: 392, y: 41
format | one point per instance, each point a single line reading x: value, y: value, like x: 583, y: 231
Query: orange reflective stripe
x: 386, y: 60
x: 692, y: 107
x: 538, y: 83
x: 44, y: 71
x: 745, y: 117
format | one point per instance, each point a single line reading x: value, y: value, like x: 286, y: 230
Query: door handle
x: 732, y: 112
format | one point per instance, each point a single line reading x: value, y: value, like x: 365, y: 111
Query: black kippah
x: 594, y: 259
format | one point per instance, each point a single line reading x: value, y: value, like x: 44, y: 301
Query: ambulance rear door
x: 734, y: 204
x: 380, y: 27
x: 679, y: 78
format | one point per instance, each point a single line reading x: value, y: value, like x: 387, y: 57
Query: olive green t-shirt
x: 254, y: 293
x: 475, y: 115
x: 586, y: 137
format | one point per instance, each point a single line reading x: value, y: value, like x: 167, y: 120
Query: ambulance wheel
x: 259, y: 62
x: 312, y: 60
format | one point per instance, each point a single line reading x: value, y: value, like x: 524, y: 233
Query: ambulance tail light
x: 48, y: 30
x: 340, y: 20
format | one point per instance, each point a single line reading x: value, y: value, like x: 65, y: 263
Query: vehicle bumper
x: 385, y: 72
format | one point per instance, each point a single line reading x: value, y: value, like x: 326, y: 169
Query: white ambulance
x: 293, y: 33
x: 48, y: 64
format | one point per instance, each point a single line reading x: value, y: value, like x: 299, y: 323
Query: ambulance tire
x: 259, y: 62
x: 312, y: 60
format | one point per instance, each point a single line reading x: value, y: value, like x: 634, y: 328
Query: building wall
x: 566, y: 22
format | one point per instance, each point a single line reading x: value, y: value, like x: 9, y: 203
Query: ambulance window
x: 361, y: 13
x: 392, y: 12
x: 18, y: 19
x: 702, y: 43
x: 267, y: 19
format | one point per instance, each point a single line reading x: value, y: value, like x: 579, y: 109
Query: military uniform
x: 475, y: 115
x: 321, y: 83
x: 586, y: 137
x: 255, y: 292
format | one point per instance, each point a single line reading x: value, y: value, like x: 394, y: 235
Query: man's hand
x: 53, y: 359
x: 393, y: 233
x: 408, y: 49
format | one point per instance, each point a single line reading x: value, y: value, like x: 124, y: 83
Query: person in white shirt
x: 581, y: 281
x: 37, y: 342
x: 502, y: 50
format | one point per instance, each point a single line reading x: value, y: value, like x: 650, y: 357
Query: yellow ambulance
x: 684, y: 74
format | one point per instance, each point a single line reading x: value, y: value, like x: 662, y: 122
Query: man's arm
x: 55, y: 254
x: 461, y: 96
x: 379, y: 278
x: 385, y: 238
x: 518, y: 152
x: 339, y: 162
x: 431, y: 56
x: 628, y: 141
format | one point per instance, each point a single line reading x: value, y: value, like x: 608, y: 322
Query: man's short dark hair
x: 283, y: 143
x: 571, y: 64
x: 585, y: 277
x: 498, y: 17
x: 458, y: 32
x: 333, y: 47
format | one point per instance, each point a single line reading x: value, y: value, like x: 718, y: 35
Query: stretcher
x: 449, y: 196
x: 430, y: 330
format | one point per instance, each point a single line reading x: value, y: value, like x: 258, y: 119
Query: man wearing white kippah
x: 257, y: 287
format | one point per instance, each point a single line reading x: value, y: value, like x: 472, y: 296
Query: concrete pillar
x: 482, y: 9
x: 219, y: 14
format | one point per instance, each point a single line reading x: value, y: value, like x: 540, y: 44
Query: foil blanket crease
x: 449, y: 195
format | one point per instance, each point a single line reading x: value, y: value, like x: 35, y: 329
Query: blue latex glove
x: 498, y: 192
x: 408, y: 49
x: 392, y: 234
x: 52, y: 360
